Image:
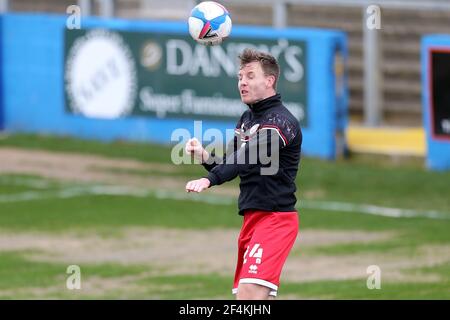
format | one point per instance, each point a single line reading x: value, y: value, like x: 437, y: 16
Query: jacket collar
x: 260, y: 107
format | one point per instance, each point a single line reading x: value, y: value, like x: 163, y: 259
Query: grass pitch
x: 37, y: 213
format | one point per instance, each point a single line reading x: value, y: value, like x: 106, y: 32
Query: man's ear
x: 270, y: 80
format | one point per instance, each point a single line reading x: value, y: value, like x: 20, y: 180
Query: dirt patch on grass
x: 93, y: 169
x: 123, y: 287
x: 354, y: 266
x: 177, y: 251
x: 214, y: 251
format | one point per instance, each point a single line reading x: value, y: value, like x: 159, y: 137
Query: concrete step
x: 410, y: 67
x: 128, y: 5
x: 394, y: 104
x: 52, y: 6
x: 161, y: 14
x: 245, y: 14
x: 391, y: 85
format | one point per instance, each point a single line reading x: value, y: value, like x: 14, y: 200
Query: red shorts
x: 264, y: 244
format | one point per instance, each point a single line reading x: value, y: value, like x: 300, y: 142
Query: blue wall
x: 438, y: 151
x: 33, y: 48
x: 1, y: 75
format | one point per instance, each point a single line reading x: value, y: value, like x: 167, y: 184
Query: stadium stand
x: 400, y: 35
x: 401, y: 30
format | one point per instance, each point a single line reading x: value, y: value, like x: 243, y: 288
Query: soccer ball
x: 209, y: 23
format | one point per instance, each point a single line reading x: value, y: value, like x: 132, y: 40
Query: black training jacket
x: 265, y: 153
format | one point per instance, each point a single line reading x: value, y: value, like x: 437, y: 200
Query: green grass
x: 210, y: 286
x: 18, y: 273
x: 357, y: 289
x: 14, y: 184
x: 178, y: 171
x: 408, y: 233
x: 116, y: 149
x: 360, y: 179
x: 357, y: 180
x: 95, y: 211
x: 441, y: 270
x: 114, y: 211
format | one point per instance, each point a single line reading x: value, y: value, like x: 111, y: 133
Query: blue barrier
x: 34, y: 100
x: 1, y: 75
x: 435, y: 60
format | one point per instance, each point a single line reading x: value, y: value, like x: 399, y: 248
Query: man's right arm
x: 214, y: 160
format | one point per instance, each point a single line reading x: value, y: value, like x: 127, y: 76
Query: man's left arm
x: 276, y: 133
x: 261, y: 150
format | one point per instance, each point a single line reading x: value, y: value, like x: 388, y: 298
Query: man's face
x: 253, y: 85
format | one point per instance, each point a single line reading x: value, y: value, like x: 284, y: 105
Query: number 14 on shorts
x: 256, y: 252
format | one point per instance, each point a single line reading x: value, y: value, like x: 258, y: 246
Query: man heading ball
x: 267, y: 188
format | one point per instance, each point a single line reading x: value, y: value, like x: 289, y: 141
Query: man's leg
x: 252, y: 291
x: 264, y: 244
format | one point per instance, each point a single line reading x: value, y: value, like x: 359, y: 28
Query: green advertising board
x: 111, y: 74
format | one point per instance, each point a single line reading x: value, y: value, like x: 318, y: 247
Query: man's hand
x: 197, y: 185
x: 193, y: 147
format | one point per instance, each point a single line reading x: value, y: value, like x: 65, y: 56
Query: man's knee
x: 251, y: 291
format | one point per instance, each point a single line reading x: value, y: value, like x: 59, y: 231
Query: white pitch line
x: 25, y: 196
x: 372, y: 209
x: 72, y: 192
x: 35, y: 183
x: 206, y: 198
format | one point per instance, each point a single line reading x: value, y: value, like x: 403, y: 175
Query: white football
x: 209, y: 23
